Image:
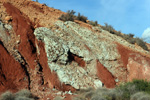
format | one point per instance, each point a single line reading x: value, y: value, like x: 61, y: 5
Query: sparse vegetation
x: 140, y: 96
x: 133, y: 87
x: 70, y: 16
x: 132, y: 40
x: 24, y: 93
x: 7, y: 96
x: 81, y: 18
x: 135, y: 90
x: 44, y: 4
x: 128, y: 37
x: 141, y: 43
x: 108, y: 28
x: 21, y: 95
x: 93, y: 23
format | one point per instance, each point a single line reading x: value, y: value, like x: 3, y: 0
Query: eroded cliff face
x: 45, y: 55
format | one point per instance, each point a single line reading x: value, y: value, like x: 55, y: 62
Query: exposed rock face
x: 63, y: 59
x: 62, y: 56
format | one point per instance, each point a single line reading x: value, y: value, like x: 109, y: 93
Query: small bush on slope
x: 93, y: 23
x: 81, y: 18
x: 128, y: 37
x: 138, y: 41
x: 108, y: 28
x: 141, y: 43
x: 7, y: 96
x: 68, y: 17
x: 99, y: 94
x: 24, y: 93
x: 133, y: 87
x: 128, y: 91
x: 140, y: 96
x: 21, y: 95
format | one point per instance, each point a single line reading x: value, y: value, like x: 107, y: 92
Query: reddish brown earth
x: 105, y: 76
x: 79, y: 60
x: 13, y: 75
x: 23, y: 27
x: 124, y: 52
x: 137, y: 65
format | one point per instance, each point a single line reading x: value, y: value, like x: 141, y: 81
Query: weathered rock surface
x: 61, y: 56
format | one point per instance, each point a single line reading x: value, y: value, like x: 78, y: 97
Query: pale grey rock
x: 42, y: 32
x: 3, y: 36
x: 8, y: 27
x: 70, y: 37
x: 97, y: 83
x: 55, y: 46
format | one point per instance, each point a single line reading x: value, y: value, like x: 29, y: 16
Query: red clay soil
x: 105, y: 76
x: 138, y: 67
x: 12, y: 74
x: 79, y: 60
x: 51, y: 78
x: 69, y: 97
x: 23, y: 27
x: 124, y: 52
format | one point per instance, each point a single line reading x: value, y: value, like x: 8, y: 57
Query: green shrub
x: 140, y: 96
x: 133, y: 87
x: 98, y: 94
x: 24, y: 93
x: 81, y: 18
x: 97, y: 97
x: 68, y: 17
x: 141, y: 43
x: 128, y: 37
x: 131, y: 35
x: 141, y: 85
x: 108, y: 28
x: 144, y: 97
x: 23, y: 98
x: 93, y: 23
x: 21, y: 95
x: 118, y: 33
x: 7, y: 96
x: 44, y: 4
x: 135, y: 90
x: 126, y: 90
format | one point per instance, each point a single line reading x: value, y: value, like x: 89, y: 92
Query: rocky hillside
x: 51, y: 57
